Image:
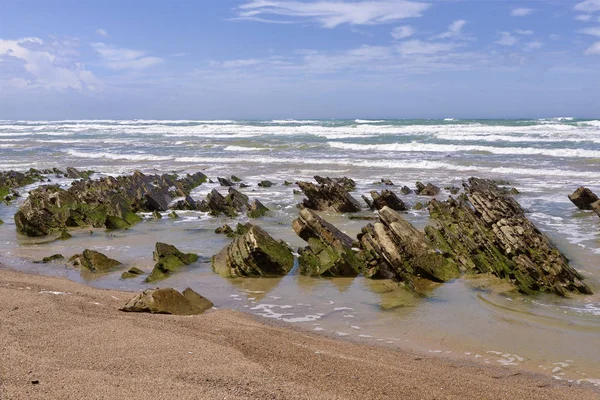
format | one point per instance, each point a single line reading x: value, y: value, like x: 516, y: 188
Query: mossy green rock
x: 94, y: 261
x: 329, y: 251
x: 254, y: 253
x: 257, y: 209
x: 1, y: 222
x: 49, y: 259
x: 169, y: 260
x: 132, y: 272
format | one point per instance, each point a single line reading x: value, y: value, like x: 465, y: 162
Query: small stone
x: 173, y: 215
x: 265, y: 184
x: 156, y: 215
x: 235, y: 178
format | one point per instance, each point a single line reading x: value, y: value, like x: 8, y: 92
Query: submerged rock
x: 1, y: 222
x: 168, y: 301
x: 73, y: 173
x: 383, y: 199
x: 225, y: 182
x: 387, y: 182
x: 329, y: 251
x: 94, y: 261
x: 107, y: 202
x: 254, y: 253
x: 265, y: 184
x: 132, y: 273
x: 169, y: 260
x: 328, y: 197
x: 49, y: 259
x: 257, y: 209
x: 405, y: 190
x: 487, y: 232
x: 393, y: 248
x: 427, y: 190
x: 583, y: 198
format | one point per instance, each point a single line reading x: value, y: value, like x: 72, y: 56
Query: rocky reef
x: 254, y: 253
x: 107, y: 202
x: 487, y: 231
x: 168, y: 301
x: 329, y: 251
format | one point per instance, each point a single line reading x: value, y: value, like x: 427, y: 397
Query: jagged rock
x: 132, y: 273
x: 49, y: 259
x: 257, y: 209
x: 169, y: 259
x: 583, y: 198
x: 387, y: 182
x: 73, y: 173
x: 385, y: 198
x: 254, y: 253
x: 345, y: 182
x: 107, y: 202
x: 94, y: 261
x: 235, y: 178
x: 226, y: 229
x: 10, y: 180
x: 225, y: 182
x: 418, y: 206
x: 393, y: 248
x: 168, y: 301
x: 329, y: 251
x: 328, y: 197
x: 265, y: 184
x: 487, y: 232
x: 405, y: 190
x: 186, y: 204
x: 427, y: 190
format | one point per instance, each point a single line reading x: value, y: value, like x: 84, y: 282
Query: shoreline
x: 72, y: 339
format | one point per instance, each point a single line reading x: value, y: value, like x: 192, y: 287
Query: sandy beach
x: 63, y: 340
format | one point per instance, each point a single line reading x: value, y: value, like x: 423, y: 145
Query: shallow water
x: 475, y: 317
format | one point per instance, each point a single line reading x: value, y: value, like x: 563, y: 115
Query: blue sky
x: 258, y: 59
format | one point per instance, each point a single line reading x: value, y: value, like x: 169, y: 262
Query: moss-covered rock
x: 427, y: 190
x: 583, y: 198
x: 169, y: 260
x: 329, y: 251
x: 168, y: 301
x: 132, y: 272
x: 50, y: 259
x: 256, y: 209
x: 254, y: 253
x: 94, y: 261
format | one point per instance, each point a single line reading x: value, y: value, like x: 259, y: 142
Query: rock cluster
x: 168, y: 301
x: 107, y: 202
x: 487, y: 232
x: 169, y: 260
x: 329, y: 251
x: 427, y: 190
x: 393, y: 248
x: 254, y: 253
x: 10, y: 180
x: 232, y: 205
x: 329, y: 196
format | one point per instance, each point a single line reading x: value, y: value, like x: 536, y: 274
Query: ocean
x: 477, y: 318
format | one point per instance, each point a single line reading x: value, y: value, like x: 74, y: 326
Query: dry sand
x: 63, y: 340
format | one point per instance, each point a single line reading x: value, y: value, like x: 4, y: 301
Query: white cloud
x: 507, y: 39
x: 583, y: 17
x: 521, y: 12
x: 454, y: 30
x: 402, y: 32
x: 533, y: 45
x: 330, y: 13
x: 45, y: 66
x: 118, y: 58
x: 593, y: 50
x: 593, y: 31
x: 101, y: 32
x: 588, y: 6
x: 523, y: 32
x: 420, y: 47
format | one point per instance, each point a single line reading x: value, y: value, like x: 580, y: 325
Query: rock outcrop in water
x: 328, y: 197
x: 254, y: 253
x: 168, y: 301
x: 427, y: 190
x: 231, y: 205
x: 393, y: 248
x: 583, y: 198
x: 344, y: 181
x: 107, y: 202
x: 94, y: 261
x: 487, y: 232
x: 10, y: 180
x: 329, y: 251
x: 383, y: 199
x: 169, y: 260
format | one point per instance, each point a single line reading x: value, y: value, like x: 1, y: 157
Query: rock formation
x: 383, y: 199
x: 583, y: 198
x: 169, y: 259
x: 328, y: 197
x: 254, y: 253
x: 168, y: 301
x: 94, y: 261
x: 427, y: 190
x: 231, y: 205
x: 329, y: 251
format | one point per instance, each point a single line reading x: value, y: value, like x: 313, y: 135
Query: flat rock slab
x: 168, y: 301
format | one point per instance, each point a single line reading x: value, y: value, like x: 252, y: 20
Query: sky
x: 262, y: 59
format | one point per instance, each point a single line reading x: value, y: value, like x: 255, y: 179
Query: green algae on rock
x: 253, y: 253
x: 486, y: 231
x: 329, y: 251
x: 132, y: 273
x: 168, y: 301
x: 94, y: 261
x: 169, y: 260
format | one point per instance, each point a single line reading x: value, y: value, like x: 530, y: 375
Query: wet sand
x: 63, y: 340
